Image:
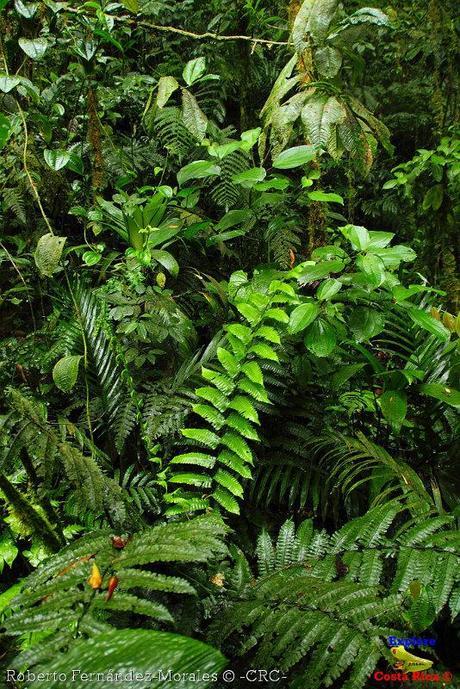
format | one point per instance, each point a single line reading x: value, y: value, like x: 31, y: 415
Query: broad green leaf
x: 365, y: 323
x: 225, y: 479
x: 328, y: 289
x: 309, y: 273
x: 320, y: 338
x: 232, y: 218
x: 90, y: 258
x: 374, y: 268
x: 433, y: 198
x: 394, y: 255
x: 166, y: 87
x: 8, y: 83
x: 48, y: 253
x: 445, y: 393
x: 199, y: 169
x: 56, y: 159
x: 263, y: 351
x: 426, y: 321
x: 279, y: 183
x: 249, y: 178
x: 134, y: 653
x: 250, y: 136
x: 328, y: 61
x: 194, y: 118
x: 393, y: 404
x: 159, y: 235
x: 193, y: 70
x: 35, y: 48
x: 244, y: 406
x: 323, y: 196
x: 195, y: 458
x: 294, y: 157
x: 65, y: 372
x: 357, y: 236
x: 167, y: 260
x: 379, y: 240
x: 266, y: 332
x: 320, y: 116
x: 241, y: 332
x: 238, y: 445
x: 26, y: 9
x: 313, y: 19
x: 401, y: 293
x: 302, y: 316
x: 190, y: 479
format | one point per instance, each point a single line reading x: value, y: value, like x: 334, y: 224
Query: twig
x: 213, y: 36
x: 189, y: 34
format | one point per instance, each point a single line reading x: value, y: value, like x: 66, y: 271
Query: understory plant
x: 229, y: 359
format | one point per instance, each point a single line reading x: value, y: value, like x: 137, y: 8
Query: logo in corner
x: 407, y: 662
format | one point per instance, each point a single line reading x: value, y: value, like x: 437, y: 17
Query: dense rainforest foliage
x: 229, y: 362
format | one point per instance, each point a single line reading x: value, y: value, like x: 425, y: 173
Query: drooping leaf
x: 193, y: 70
x: 426, y: 321
x: 56, y: 159
x: 65, y: 372
x: 324, y: 196
x: 366, y: 323
x: 319, y: 115
x: 313, y: 18
x: 302, y: 316
x: 393, y: 404
x: 445, y: 393
x: 199, y: 169
x: 166, y: 87
x: 194, y: 118
x: 320, y: 338
x: 249, y: 178
x: 35, y: 48
x: 8, y: 83
x: 167, y: 260
x: 294, y: 157
x: 48, y: 253
x: 328, y: 61
x: 357, y: 236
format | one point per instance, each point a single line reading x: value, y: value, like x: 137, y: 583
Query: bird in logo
x: 408, y: 662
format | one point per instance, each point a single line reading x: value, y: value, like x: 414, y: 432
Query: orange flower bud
x: 95, y: 580
x: 113, y: 583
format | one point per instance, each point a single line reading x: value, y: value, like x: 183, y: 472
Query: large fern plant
x: 233, y: 388
x: 102, y: 579
x: 322, y: 605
